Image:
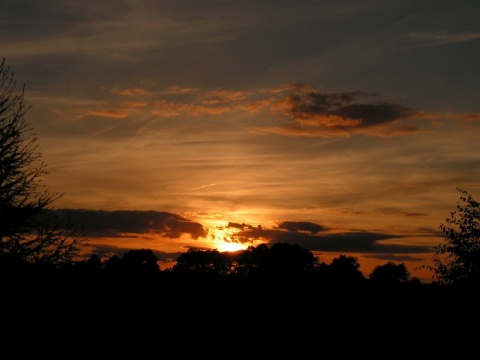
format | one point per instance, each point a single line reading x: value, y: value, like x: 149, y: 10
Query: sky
x: 346, y: 127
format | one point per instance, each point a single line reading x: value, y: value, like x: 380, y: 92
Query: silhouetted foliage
x: 202, y: 262
x: 282, y: 264
x: 345, y: 269
x: 91, y: 266
x: 28, y: 231
x: 457, y: 260
x: 279, y: 259
x: 114, y: 266
x: 94, y: 262
x: 141, y: 261
x: 390, y: 274
x: 253, y: 260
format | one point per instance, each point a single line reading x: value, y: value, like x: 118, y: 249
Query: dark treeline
x: 281, y: 266
x: 277, y: 282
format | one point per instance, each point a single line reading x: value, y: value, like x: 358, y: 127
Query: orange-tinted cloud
x: 470, y: 117
x: 175, y: 90
x: 166, y: 108
x: 310, y: 113
x: 133, y: 104
x: 306, y: 112
x: 131, y: 91
x: 226, y: 95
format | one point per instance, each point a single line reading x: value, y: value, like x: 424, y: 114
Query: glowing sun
x: 229, y: 246
x: 222, y: 239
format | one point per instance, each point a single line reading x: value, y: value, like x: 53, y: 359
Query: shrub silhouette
x: 457, y: 260
x: 390, y: 274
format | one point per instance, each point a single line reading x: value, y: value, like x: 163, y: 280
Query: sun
x: 222, y: 239
x: 229, y: 246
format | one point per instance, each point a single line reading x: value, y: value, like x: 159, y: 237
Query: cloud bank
x: 314, y: 237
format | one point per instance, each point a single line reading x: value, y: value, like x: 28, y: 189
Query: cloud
x: 225, y: 95
x: 393, y: 257
x: 100, y: 223
x: 242, y: 226
x: 312, y: 236
x: 205, y: 186
x: 435, y: 38
x: 470, y: 117
x: 133, y: 104
x: 165, y: 108
x: 287, y: 110
x: 127, y: 92
x: 300, y: 226
x: 106, y: 113
x: 176, y: 90
x: 310, y: 113
x: 306, y: 112
x: 344, y: 242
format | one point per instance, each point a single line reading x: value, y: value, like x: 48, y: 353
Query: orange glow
x: 223, y: 238
x: 229, y: 246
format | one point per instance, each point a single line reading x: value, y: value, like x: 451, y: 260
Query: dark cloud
x: 373, y: 114
x: 311, y: 113
x: 358, y: 241
x: 239, y: 226
x: 100, y: 223
x: 301, y: 226
x: 345, y: 105
x: 394, y: 257
x: 143, y: 224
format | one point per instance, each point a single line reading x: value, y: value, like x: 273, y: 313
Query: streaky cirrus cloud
x: 436, y: 38
x: 107, y: 113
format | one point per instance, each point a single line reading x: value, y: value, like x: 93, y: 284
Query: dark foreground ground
x: 204, y: 318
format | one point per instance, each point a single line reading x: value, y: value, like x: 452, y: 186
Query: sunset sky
x: 342, y: 126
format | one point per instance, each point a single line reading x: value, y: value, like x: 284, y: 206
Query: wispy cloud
x: 306, y: 112
x: 435, y: 38
x: 106, y: 113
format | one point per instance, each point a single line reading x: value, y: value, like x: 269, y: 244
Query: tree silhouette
x: 114, y: 266
x: 202, y: 262
x: 345, y: 270
x: 29, y: 231
x: 279, y: 259
x: 457, y: 260
x: 253, y: 260
x: 141, y: 261
x: 390, y: 274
